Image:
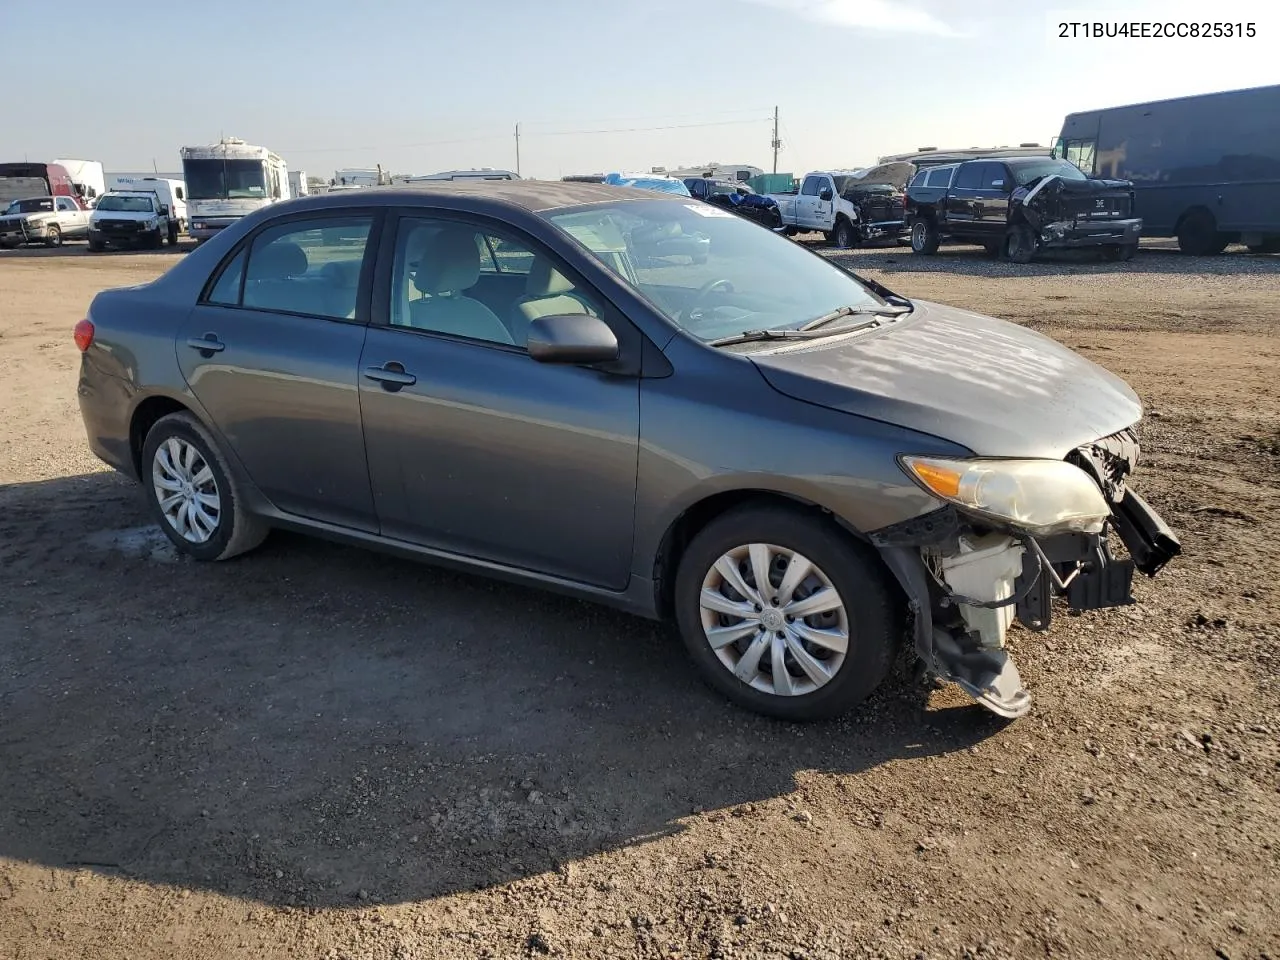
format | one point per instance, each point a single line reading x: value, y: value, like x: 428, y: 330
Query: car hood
x: 999, y: 389
x: 16, y: 217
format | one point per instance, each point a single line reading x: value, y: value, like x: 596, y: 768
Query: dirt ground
x: 313, y: 751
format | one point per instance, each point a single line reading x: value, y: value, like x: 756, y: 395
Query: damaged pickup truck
x: 1018, y: 206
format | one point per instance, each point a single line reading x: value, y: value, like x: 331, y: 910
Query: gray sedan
x: 644, y: 401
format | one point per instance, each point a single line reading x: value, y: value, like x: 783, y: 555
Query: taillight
x: 84, y: 334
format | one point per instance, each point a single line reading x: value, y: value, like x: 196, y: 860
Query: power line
x: 673, y: 126
x: 524, y: 134
x: 660, y: 116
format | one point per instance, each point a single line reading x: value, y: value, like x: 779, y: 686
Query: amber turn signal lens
x: 84, y: 334
x: 943, y: 482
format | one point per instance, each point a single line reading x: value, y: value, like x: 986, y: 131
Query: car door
x: 272, y: 351
x: 72, y: 221
x: 474, y: 447
x: 962, y: 199
x: 824, y: 209
x: 807, y: 202
x: 992, y: 216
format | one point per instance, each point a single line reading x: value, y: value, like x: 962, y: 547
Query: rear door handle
x: 208, y: 344
x: 391, y: 375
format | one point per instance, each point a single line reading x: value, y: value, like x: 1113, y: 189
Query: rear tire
x: 869, y: 615
x: 233, y: 529
x: 1019, y: 244
x: 53, y: 236
x: 924, y: 237
x: 1198, y: 235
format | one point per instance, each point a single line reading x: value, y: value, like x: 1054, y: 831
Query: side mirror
x: 572, y: 338
x: 826, y: 194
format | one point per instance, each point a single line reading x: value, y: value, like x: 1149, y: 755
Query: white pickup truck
x: 47, y: 220
x: 844, y: 205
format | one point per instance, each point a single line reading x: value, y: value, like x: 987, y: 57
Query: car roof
x: 1012, y: 161
x: 530, y: 195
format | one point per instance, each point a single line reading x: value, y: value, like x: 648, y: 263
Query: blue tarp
x: 640, y: 181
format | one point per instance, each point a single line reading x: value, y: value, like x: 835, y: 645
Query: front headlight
x: 1042, y: 497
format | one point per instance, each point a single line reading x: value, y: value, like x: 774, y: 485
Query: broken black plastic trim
x: 1146, y: 536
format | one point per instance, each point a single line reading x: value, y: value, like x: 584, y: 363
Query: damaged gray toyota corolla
x: 642, y: 401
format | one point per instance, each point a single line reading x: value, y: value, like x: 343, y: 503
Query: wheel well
x: 1191, y: 211
x: 144, y: 418
x: 686, y: 526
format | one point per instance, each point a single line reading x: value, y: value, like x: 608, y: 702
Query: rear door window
x: 310, y: 267
x: 941, y: 176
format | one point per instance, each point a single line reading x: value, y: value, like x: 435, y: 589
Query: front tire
x: 1019, y: 244
x: 191, y: 493
x: 924, y: 238
x: 53, y: 236
x: 845, y: 236
x: 1198, y: 234
x: 816, y: 642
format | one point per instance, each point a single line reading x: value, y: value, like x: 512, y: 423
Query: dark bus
x: 1204, y: 169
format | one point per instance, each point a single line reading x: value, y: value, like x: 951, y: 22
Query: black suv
x: 1017, y: 206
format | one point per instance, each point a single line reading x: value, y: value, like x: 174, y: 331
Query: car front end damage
x: 1067, y: 213
x: 972, y: 567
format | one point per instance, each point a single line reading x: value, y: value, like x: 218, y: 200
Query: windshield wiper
x: 746, y: 336
x: 842, y: 312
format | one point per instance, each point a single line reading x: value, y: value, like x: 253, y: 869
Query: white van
x: 172, y: 193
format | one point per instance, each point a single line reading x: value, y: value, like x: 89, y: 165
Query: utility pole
x: 776, y: 142
x: 517, y: 149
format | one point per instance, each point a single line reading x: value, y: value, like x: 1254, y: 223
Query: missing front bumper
x: 963, y: 642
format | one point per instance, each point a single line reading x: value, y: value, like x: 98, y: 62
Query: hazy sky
x: 424, y: 85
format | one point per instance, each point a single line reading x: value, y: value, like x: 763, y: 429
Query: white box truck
x: 88, y: 178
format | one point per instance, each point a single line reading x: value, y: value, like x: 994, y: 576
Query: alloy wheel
x: 186, y: 490
x: 774, y: 619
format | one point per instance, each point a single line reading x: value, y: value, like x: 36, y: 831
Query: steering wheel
x: 694, y: 310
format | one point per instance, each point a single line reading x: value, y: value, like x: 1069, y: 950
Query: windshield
x: 126, y: 204
x: 36, y: 205
x: 1024, y: 173
x: 225, y: 179
x: 710, y: 271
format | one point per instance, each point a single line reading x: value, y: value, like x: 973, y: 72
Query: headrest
x: 278, y: 260
x: 545, y: 280
x: 449, y: 261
